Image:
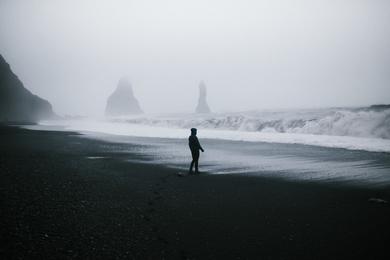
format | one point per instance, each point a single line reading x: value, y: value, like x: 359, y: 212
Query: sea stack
x: 202, y: 107
x: 122, y: 102
x: 17, y: 104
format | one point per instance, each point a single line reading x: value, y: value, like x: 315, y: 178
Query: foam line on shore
x: 137, y: 130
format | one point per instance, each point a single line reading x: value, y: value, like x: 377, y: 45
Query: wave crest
x: 339, y: 122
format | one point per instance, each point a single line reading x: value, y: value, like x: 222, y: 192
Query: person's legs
x: 196, y: 166
x: 193, y: 160
x: 196, y: 160
x: 192, y: 165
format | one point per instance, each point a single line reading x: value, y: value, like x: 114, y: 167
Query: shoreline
x: 292, y: 162
x: 58, y: 203
x: 124, y: 128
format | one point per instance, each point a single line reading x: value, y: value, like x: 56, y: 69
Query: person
x: 195, y: 146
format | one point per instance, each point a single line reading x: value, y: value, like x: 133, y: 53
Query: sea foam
x: 155, y: 127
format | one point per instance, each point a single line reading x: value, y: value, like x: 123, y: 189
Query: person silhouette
x: 195, y: 146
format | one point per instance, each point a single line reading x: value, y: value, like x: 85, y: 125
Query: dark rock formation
x: 17, y: 104
x: 122, y: 101
x: 380, y: 107
x: 202, y: 107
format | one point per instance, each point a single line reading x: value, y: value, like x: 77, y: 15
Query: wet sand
x: 64, y: 196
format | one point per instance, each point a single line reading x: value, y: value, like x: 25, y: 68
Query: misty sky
x: 251, y: 54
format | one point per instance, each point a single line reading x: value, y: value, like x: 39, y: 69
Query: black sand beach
x: 57, y: 203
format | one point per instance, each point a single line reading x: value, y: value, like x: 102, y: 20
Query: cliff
x: 17, y: 104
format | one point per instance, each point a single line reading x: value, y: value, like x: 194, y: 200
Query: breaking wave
x: 363, y: 122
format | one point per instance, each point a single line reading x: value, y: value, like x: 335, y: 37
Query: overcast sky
x: 251, y: 54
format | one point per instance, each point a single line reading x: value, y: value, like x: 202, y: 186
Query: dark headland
x: 17, y: 103
x: 56, y: 203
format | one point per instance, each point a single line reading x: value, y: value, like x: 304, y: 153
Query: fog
x: 251, y: 54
